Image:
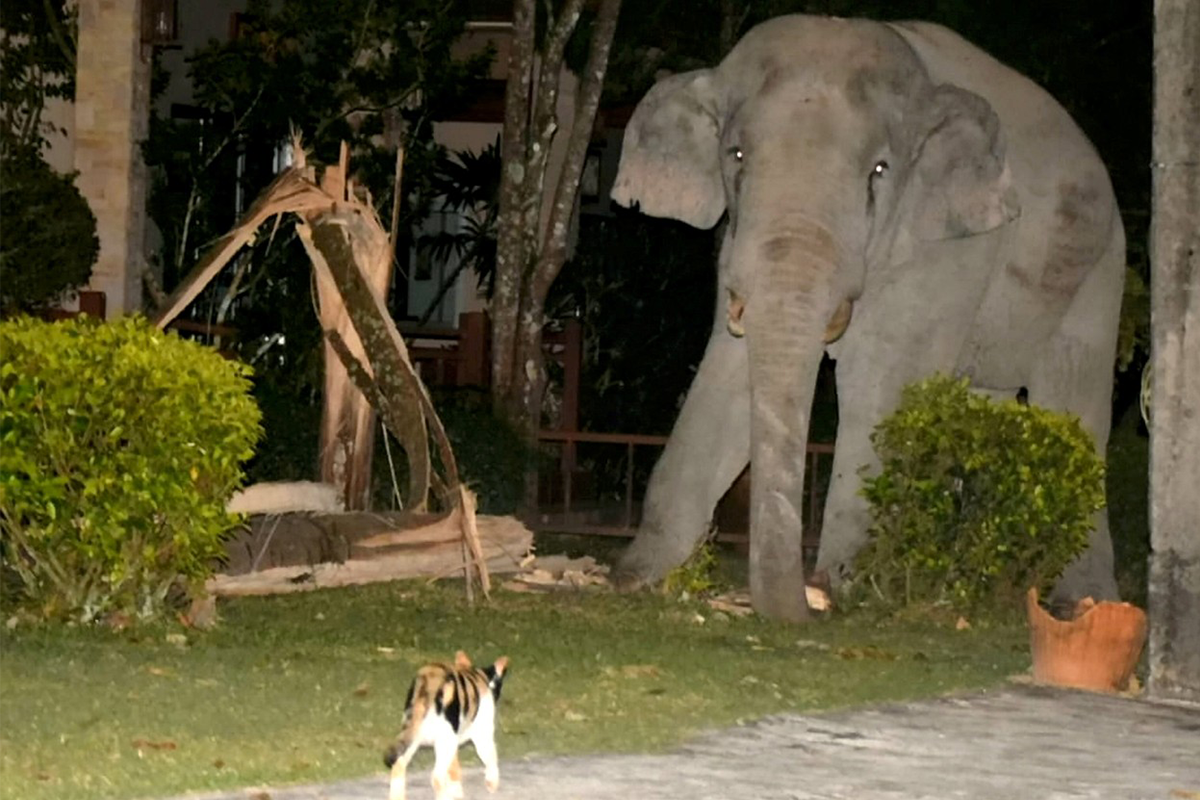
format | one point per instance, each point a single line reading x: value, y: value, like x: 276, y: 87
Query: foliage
x: 644, y: 290
x: 37, y: 63
x: 317, y: 680
x: 372, y: 75
x: 1128, y: 495
x: 491, y: 456
x: 120, y: 446
x: 976, y: 501
x: 1133, y: 335
x: 695, y: 577
x: 468, y: 183
x: 49, y: 243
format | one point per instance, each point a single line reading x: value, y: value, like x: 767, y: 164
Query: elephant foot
x: 650, y: 556
x: 632, y: 572
x: 628, y: 583
x: 1090, y: 575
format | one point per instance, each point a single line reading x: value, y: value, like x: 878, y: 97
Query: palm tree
x: 467, y: 183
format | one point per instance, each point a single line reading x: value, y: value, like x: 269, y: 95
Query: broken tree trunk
x: 350, y: 549
x: 347, y: 424
x: 367, y: 363
x: 347, y: 419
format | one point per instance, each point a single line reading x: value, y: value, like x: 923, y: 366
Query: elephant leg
x: 896, y: 337
x: 847, y: 515
x: 1074, y: 373
x: 709, y: 447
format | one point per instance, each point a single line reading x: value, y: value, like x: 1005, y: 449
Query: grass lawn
x: 311, y: 687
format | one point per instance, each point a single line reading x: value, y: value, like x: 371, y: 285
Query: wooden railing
x: 94, y: 304
x: 567, y: 517
x: 451, y: 356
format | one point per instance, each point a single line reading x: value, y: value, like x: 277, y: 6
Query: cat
x: 446, y: 706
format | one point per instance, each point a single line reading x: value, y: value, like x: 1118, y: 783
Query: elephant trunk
x: 786, y: 315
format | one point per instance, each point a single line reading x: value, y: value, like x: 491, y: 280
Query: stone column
x: 1175, y: 346
x: 112, y: 101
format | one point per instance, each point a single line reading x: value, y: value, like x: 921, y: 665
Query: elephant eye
x: 878, y: 171
x: 737, y: 153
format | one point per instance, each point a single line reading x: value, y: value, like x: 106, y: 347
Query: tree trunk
x: 1175, y: 342
x: 513, y: 228
x: 532, y: 245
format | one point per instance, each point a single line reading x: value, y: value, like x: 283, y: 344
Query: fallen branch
x: 431, y: 549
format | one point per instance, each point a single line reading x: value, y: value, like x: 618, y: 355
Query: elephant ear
x: 960, y: 177
x: 670, y: 162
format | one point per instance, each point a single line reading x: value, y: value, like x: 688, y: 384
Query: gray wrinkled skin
x: 955, y: 203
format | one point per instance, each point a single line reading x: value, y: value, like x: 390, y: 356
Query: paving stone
x: 1026, y: 743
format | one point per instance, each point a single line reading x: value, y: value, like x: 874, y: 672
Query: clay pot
x: 1096, y: 650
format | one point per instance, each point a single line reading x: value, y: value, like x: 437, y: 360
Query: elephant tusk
x: 733, y: 321
x: 839, y: 321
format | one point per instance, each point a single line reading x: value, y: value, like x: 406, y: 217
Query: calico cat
x: 446, y: 706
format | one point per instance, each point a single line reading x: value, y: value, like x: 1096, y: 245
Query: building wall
x: 59, y: 151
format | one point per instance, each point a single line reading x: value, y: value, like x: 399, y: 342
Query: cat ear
x: 461, y: 661
x: 501, y: 665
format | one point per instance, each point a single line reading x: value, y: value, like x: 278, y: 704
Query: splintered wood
x: 737, y: 602
x: 347, y: 550
x: 367, y: 368
x: 557, y: 572
x: 367, y: 372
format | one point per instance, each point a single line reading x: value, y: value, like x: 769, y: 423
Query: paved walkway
x: 1021, y: 743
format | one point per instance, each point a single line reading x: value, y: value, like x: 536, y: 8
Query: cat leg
x: 445, y: 749
x: 396, y: 785
x: 485, y: 746
x: 455, y: 772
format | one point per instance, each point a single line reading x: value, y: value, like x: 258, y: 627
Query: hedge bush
x: 49, y: 243
x: 119, y: 445
x: 976, y: 500
x: 490, y: 453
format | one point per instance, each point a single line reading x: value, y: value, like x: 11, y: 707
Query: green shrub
x: 976, y: 501
x: 695, y: 577
x: 49, y: 243
x: 119, y: 445
x: 491, y: 455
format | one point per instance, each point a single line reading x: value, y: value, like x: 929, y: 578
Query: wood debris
x: 280, y: 497
x: 367, y: 367
x: 737, y: 602
x: 558, y: 573
x: 430, y: 547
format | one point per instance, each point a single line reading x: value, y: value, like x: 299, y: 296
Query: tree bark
x: 329, y: 244
x: 552, y: 253
x: 512, y: 234
x: 1175, y: 345
x: 530, y: 252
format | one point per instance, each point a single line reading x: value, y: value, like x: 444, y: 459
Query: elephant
x: 896, y: 198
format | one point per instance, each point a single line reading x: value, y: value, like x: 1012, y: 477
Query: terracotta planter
x: 1096, y: 650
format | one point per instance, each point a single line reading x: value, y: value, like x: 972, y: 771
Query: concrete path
x: 1021, y: 743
